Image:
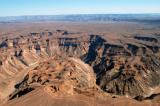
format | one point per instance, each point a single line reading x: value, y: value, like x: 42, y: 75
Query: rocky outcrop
x: 63, y: 76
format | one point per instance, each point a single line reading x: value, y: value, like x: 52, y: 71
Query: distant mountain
x: 84, y: 17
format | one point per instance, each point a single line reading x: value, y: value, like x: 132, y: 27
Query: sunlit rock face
x: 65, y: 76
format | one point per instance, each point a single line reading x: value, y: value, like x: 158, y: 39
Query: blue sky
x: 56, y: 7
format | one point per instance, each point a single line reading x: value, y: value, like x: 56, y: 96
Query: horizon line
x: 84, y: 14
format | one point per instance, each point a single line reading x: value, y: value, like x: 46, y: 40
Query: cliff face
x: 125, y: 68
x: 71, y: 46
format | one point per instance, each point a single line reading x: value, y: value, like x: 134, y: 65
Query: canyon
x: 91, y: 64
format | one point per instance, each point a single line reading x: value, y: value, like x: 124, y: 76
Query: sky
x: 61, y: 7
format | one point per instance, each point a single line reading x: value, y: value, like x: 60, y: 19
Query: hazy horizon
x: 84, y: 14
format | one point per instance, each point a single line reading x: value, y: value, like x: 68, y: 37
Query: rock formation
x: 66, y: 63
x: 125, y: 68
